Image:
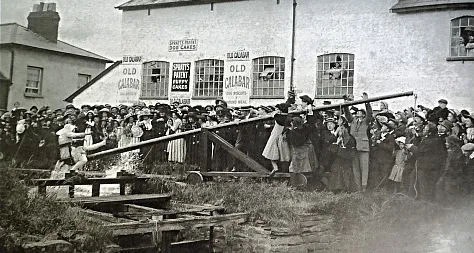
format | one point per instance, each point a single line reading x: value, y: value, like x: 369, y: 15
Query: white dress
x: 176, y: 148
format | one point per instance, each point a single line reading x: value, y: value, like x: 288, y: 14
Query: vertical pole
x: 211, y: 236
x: 95, y: 189
x: 42, y: 189
x: 206, y: 155
x: 68, y: 175
x: 293, y: 35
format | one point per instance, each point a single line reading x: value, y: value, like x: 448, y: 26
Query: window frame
x: 201, y: 71
x: 347, y: 75
x: 460, y: 26
x: 89, y: 78
x: 161, y: 88
x: 274, y: 67
x: 39, y: 86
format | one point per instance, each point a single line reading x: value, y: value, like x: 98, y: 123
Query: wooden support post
x: 167, y: 239
x: 95, y: 190
x: 252, y: 164
x: 206, y: 155
x: 42, y: 189
x: 69, y: 175
x: 211, y: 236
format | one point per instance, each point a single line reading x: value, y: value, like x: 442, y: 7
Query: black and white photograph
x: 237, y: 126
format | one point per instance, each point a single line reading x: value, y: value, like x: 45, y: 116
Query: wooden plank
x: 243, y: 174
x: 106, y: 217
x: 175, y: 224
x: 87, y: 181
x: 202, y: 208
x: 237, y: 153
x: 176, y: 209
x: 127, y: 199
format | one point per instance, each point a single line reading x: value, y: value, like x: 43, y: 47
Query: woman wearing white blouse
x: 176, y: 148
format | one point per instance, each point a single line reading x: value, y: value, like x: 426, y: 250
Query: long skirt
x: 177, y: 150
x: 277, y: 148
x: 300, y: 161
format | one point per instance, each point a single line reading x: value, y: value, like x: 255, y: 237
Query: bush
x: 27, y: 217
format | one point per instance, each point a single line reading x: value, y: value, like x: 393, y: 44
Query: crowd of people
x: 427, y: 153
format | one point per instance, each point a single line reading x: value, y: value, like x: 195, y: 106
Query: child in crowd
x: 401, y: 156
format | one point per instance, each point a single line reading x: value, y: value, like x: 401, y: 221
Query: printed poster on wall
x: 129, y: 84
x: 237, y: 72
x: 180, y: 81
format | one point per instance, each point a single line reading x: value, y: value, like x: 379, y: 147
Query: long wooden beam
x: 219, y: 141
x: 143, y: 144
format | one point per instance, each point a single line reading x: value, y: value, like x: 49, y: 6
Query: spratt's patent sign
x: 183, y: 45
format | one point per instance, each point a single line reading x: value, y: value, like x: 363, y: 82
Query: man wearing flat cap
x: 439, y: 113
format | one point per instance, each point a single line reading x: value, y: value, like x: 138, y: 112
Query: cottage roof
x: 424, y: 5
x: 143, y: 4
x: 15, y: 34
x: 91, y: 82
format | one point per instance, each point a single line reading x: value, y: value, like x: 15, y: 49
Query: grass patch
x: 29, y: 218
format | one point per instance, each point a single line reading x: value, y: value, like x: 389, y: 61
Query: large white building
x: 200, y: 50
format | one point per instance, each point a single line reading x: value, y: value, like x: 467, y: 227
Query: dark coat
x: 430, y: 153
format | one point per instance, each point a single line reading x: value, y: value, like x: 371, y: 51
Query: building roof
x: 91, y: 82
x: 15, y: 34
x: 425, y: 5
x: 4, y: 78
x: 146, y: 4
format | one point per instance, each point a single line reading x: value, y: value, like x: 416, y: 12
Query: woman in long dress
x: 88, y: 140
x: 176, y: 148
x: 277, y: 148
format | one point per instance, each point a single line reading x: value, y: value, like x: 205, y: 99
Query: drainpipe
x: 292, y: 87
x: 12, y: 60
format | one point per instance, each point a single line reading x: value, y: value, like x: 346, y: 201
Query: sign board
x: 180, y: 76
x: 183, y: 45
x: 129, y: 84
x: 182, y: 98
x: 180, y: 82
x: 237, y: 81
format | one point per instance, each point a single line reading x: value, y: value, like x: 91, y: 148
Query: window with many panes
x: 155, y: 80
x: 82, y: 79
x: 268, y: 76
x: 209, y: 78
x: 34, y: 80
x: 462, y: 36
x: 335, y: 75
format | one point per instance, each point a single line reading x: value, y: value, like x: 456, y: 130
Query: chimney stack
x: 44, y: 20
